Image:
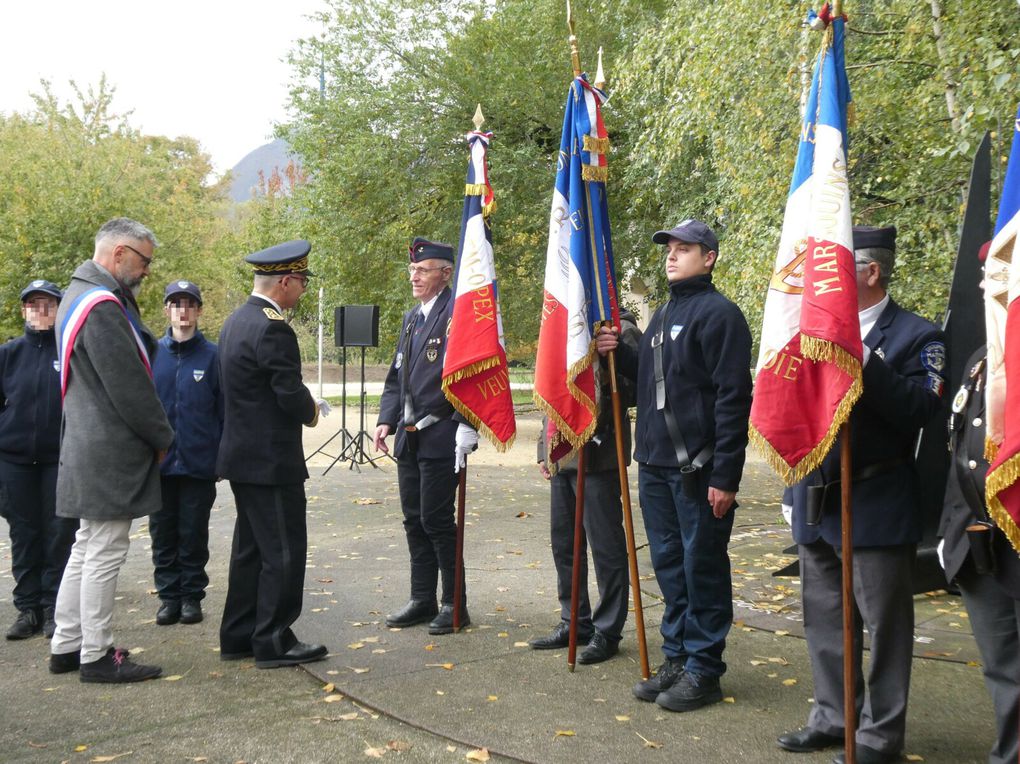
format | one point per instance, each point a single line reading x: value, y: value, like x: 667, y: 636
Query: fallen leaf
x: 37, y: 745
x: 782, y: 633
x: 758, y: 663
x: 622, y: 718
x: 789, y: 682
x: 199, y: 758
x: 114, y: 757
x: 447, y: 666
x: 356, y: 645
x: 365, y: 501
x: 780, y: 661
x: 565, y: 733
x: 479, y: 754
x: 729, y: 699
x: 503, y: 634
x: 451, y: 748
x: 329, y: 687
x: 523, y: 514
x: 492, y: 698
x: 350, y: 716
x: 648, y: 743
x: 80, y: 748
x: 370, y: 640
x: 378, y: 651
x: 333, y: 698
x: 359, y: 670
x: 913, y: 757
x: 324, y: 580
x: 398, y: 745
x: 375, y: 753
x: 520, y: 644
x: 430, y: 646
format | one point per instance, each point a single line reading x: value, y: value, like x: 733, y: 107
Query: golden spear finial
x: 479, y: 118
x: 575, y: 58
x: 600, y: 75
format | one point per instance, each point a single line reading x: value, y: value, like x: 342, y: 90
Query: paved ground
x: 401, y: 695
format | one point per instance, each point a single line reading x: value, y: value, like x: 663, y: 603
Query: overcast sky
x: 211, y: 69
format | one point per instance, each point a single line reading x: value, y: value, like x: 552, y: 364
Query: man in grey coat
x: 114, y: 436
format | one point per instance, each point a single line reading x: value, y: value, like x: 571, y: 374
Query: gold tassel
x: 991, y: 450
x: 592, y: 173
x: 488, y: 209
x: 595, y: 145
x: 475, y: 189
x: 998, y: 480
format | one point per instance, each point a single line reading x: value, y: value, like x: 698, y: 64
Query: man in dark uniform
x: 978, y: 557
x: 904, y: 356
x: 29, y: 450
x: 693, y: 375
x: 603, y: 526
x: 265, y: 404
x: 431, y: 440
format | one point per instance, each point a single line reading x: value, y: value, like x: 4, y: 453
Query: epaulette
x: 272, y: 315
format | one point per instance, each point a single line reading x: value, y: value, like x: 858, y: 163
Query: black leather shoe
x: 664, y: 678
x: 690, y: 692
x: 27, y: 624
x: 191, y: 611
x: 49, y: 623
x: 169, y: 613
x: 116, y: 668
x: 806, y: 740
x: 299, y: 653
x: 413, y: 613
x: 559, y: 638
x: 868, y: 755
x: 599, y: 649
x: 443, y: 623
x: 62, y: 663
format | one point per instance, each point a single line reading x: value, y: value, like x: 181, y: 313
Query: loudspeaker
x: 360, y: 326
x: 338, y: 327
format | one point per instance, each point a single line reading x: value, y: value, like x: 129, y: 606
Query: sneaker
x: 28, y: 624
x: 61, y: 663
x: 169, y: 612
x: 191, y: 611
x: 49, y: 622
x: 115, y: 668
x: 690, y: 692
x: 665, y: 677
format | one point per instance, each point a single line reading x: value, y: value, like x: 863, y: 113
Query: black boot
x: 28, y: 624
x: 49, y: 624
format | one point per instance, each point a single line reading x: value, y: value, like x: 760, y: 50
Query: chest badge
x: 674, y: 331
x: 399, y: 362
x: 198, y: 374
x: 880, y: 353
x: 960, y: 400
x: 56, y: 365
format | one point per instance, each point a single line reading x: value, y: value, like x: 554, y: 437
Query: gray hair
x: 265, y: 281
x: 125, y: 228
x: 885, y: 258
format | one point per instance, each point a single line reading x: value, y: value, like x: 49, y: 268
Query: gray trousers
x: 995, y: 620
x: 884, y: 603
x: 603, y: 531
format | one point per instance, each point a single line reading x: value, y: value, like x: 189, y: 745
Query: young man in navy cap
x: 261, y: 454
x: 904, y: 360
x: 431, y: 440
x: 29, y: 452
x: 187, y: 376
x: 693, y: 376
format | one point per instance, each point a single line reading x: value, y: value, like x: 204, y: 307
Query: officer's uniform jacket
x: 418, y: 366
x: 706, y: 358
x: 30, y: 398
x: 965, y: 488
x: 265, y: 401
x: 902, y: 388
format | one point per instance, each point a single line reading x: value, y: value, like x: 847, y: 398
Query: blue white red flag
x: 475, y: 376
x: 809, y: 367
x: 580, y: 277
x: 1002, y: 315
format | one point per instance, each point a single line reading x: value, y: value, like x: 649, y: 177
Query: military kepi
x: 867, y: 237
x: 423, y: 249
x: 188, y: 288
x: 281, y: 259
x: 41, y: 286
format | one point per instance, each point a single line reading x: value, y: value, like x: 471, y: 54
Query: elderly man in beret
x: 431, y: 440
x: 904, y: 359
x: 261, y: 454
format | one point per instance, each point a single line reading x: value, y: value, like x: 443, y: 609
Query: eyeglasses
x: 299, y: 277
x: 146, y: 261
x: 421, y: 270
x: 859, y: 263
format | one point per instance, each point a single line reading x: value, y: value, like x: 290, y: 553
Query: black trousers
x: 428, y: 491
x: 603, y: 532
x: 267, y: 570
x: 180, y: 537
x: 40, y: 541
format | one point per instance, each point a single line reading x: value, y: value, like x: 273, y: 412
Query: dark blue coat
x: 419, y: 364
x: 187, y: 380
x: 706, y: 360
x: 30, y: 399
x: 903, y: 386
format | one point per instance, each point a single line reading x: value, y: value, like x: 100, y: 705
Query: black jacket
x: 706, y: 358
x: 30, y: 399
x: 265, y: 402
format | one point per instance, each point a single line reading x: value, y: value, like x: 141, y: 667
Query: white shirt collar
x: 869, y: 316
x: 270, y: 300
x: 426, y: 307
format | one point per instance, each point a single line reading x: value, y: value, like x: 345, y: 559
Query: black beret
x: 41, y: 286
x: 423, y: 249
x: 281, y: 259
x: 868, y: 237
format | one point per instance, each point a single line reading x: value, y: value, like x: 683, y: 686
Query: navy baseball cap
x: 423, y: 249
x: 41, y: 286
x: 281, y: 259
x: 182, y: 287
x: 690, y: 231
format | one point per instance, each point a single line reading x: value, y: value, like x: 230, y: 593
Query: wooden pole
x: 849, y: 669
x: 628, y: 518
x: 575, y: 574
x: 458, y: 571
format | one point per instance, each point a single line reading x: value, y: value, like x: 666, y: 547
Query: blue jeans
x: 692, y: 566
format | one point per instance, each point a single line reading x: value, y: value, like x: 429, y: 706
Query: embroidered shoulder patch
x: 272, y: 314
x: 933, y: 357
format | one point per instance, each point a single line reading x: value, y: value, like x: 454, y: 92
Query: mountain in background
x: 245, y: 174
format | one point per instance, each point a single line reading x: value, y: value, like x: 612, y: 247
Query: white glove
x: 466, y: 441
x: 324, y: 407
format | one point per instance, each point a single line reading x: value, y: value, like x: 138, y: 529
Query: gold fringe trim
x: 488, y: 209
x: 998, y: 480
x: 576, y: 441
x: 465, y: 411
x: 475, y: 189
x: 592, y: 173
x: 813, y: 459
x: 595, y: 145
x: 991, y: 450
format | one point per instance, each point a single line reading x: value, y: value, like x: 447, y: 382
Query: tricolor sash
x: 74, y: 320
